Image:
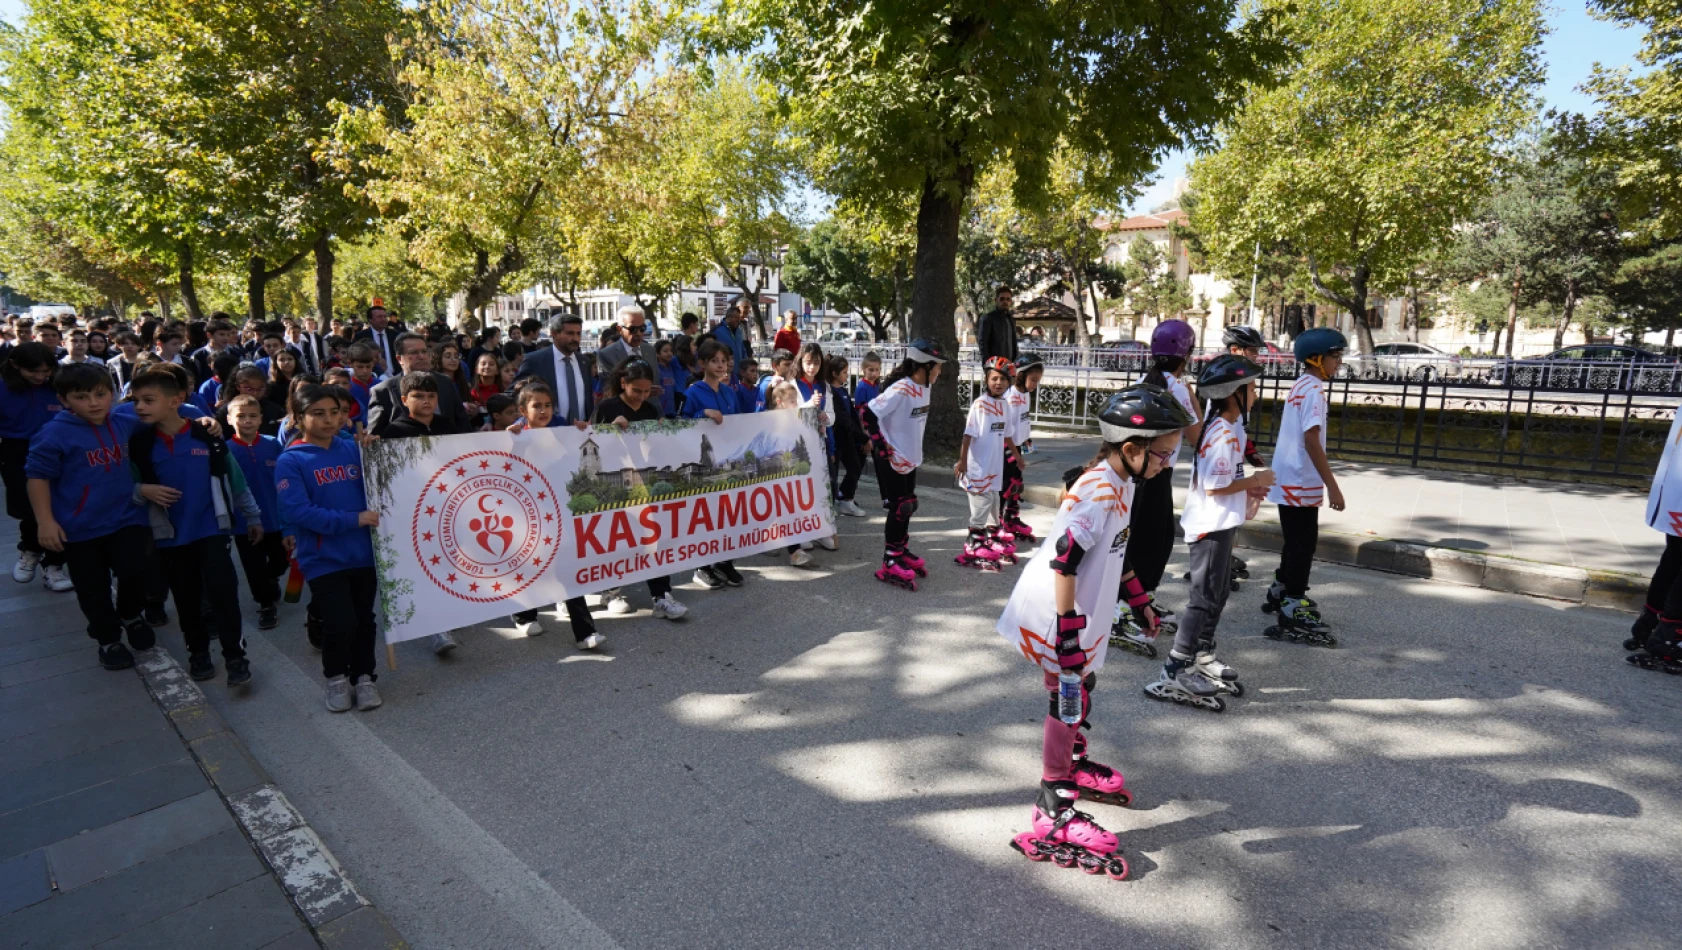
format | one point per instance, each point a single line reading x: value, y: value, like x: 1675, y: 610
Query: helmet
x: 1142, y: 410
x: 1225, y: 374
x: 1244, y: 336
x: 1028, y: 362
x: 1173, y: 338
x: 925, y: 350
x: 1000, y: 364
x: 1318, y: 342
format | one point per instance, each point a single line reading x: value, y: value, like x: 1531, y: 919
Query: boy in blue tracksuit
x: 264, y: 561
x: 322, y: 500
x: 191, y: 490
x: 27, y: 401
x: 82, y: 492
x: 712, y: 397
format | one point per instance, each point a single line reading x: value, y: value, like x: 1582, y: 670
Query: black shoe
x: 156, y: 615
x: 312, y: 630
x: 200, y: 668
x: 709, y: 578
x: 140, y: 634
x: 239, y: 671
x: 115, y: 656
x: 268, y: 617
x: 732, y: 576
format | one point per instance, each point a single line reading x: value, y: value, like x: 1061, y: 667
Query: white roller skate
x: 1181, y: 682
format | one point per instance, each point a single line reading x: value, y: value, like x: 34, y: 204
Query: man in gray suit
x: 633, y: 338
x: 385, y: 401
x: 568, y: 374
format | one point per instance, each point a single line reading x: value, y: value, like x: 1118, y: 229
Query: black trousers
x: 578, y: 614
x: 202, y: 571
x: 92, y: 563
x: 899, y: 497
x: 1150, y: 538
x: 1300, y: 530
x: 13, y: 454
x: 1664, y: 594
x: 848, y: 465
x: 344, y: 602
x: 264, y: 564
x: 1010, y: 497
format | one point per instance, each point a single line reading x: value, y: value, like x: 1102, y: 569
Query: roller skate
x: 1644, y: 625
x: 912, y: 562
x: 1181, y: 682
x: 1662, y: 650
x: 978, y: 553
x: 1003, y: 546
x: 1099, y: 783
x: 1224, y: 677
x: 1300, y: 622
x: 1018, y: 528
x: 1069, y: 838
x: 895, y: 573
x: 1127, y: 633
x: 1240, y: 569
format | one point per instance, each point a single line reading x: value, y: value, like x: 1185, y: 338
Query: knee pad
x: 905, y: 507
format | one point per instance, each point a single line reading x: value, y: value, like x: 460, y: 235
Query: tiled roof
x: 1145, y: 222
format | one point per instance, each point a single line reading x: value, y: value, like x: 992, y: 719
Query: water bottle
x: 1068, y: 697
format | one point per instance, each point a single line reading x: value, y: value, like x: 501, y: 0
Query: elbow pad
x: 1069, y: 555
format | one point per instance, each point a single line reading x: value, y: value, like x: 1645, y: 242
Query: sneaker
x: 367, y: 697
x: 709, y: 578
x: 616, y: 602
x: 57, y: 579
x: 732, y: 576
x: 140, y: 634
x: 443, y: 643
x: 591, y: 642
x: 239, y: 671
x: 156, y: 616
x: 799, y: 558
x: 851, y: 510
x: 338, y: 694
x: 115, y: 656
x: 829, y: 543
x: 24, y: 571
x: 805, y: 545
x: 528, y: 628
x: 667, y: 608
x: 268, y: 617
x: 200, y: 668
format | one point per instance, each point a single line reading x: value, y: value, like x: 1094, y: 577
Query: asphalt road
x: 819, y: 760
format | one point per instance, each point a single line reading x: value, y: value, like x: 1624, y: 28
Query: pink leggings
x: 1062, y: 740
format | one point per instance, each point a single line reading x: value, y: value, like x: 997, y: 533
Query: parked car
x: 845, y: 336
x: 1590, y: 366
x: 1405, y: 360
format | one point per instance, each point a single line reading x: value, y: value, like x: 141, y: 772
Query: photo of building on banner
x: 476, y: 527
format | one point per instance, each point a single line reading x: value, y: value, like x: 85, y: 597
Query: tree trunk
x: 256, y: 286
x: 324, y: 279
x: 1512, y: 310
x: 189, y: 293
x: 934, y: 299
x: 1566, y: 313
x: 899, y: 301
x: 1082, y: 338
x: 1355, y: 301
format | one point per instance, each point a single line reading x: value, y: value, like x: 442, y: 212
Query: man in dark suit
x: 382, y: 336
x: 569, y: 375
x: 385, y: 401
x: 995, y: 334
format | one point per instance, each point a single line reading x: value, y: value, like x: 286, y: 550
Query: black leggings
x: 1010, y: 498
x: 1664, y: 594
x: 1150, y: 539
x: 13, y: 454
x: 899, y: 497
x: 1299, y: 528
x: 344, y: 603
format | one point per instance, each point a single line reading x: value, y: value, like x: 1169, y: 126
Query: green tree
x: 835, y: 265
x: 1382, y: 139
x: 1153, y: 289
x: 1637, y: 131
x: 914, y: 102
x: 1647, y: 290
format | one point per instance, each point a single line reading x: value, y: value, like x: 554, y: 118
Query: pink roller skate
x: 1100, y: 783
x: 979, y: 552
x: 1067, y: 837
x: 893, y: 572
x: 1000, y: 539
x: 912, y: 562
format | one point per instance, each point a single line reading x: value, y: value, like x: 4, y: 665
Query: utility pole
x: 1255, y: 269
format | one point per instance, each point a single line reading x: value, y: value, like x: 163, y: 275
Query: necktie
x: 572, y: 391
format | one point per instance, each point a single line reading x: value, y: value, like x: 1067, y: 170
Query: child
x: 747, y: 383
x: 124, y: 366
x: 223, y: 368
x: 250, y: 381
x: 1152, y: 539
x: 895, y: 421
x: 849, y: 440
x: 1656, y: 636
x: 814, y: 393
x: 322, y: 500
x: 362, y: 379
x: 1019, y: 402
x: 192, y: 490
x: 537, y: 408
x: 980, y: 470
x: 1244, y: 340
x: 669, y: 376
x: 712, y: 397
x: 419, y: 392
x: 502, y: 412
x: 82, y: 492
x: 784, y: 395
x: 1305, y: 480
x: 633, y: 385
x: 1073, y: 577
x: 870, y: 370
x: 266, y: 560
x: 27, y: 402
x: 782, y: 368
x: 1217, y: 504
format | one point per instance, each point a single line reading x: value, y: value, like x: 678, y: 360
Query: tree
x: 1647, y: 288
x: 831, y: 264
x: 914, y: 102
x: 1153, y: 289
x: 1637, y: 132
x: 1382, y: 139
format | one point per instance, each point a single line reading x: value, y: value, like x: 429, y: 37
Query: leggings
x: 344, y: 601
x: 1151, y: 538
x: 1211, y: 582
x: 1664, y: 593
x: 1062, y: 742
x: 1299, y: 529
x: 1010, y: 498
x: 899, y: 497
x: 13, y: 454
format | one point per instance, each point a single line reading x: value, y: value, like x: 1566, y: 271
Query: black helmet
x: 1222, y: 376
x: 1243, y: 336
x: 1027, y: 362
x: 925, y: 350
x: 1142, y: 410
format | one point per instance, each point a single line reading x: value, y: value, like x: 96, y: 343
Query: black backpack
x: 144, y: 439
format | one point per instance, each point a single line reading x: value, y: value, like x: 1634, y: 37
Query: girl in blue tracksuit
x: 27, y: 401
x: 319, y: 482
x: 713, y: 397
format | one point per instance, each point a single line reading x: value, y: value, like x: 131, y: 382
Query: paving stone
x: 86, y: 769
x: 93, y: 710
x: 80, y: 684
x: 45, y: 647
x: 364, y: 929
x: 48, y: 822
x: 230, y: 767
x: 24, y: 881
x: 264, y: 812
x: 48, y: 667
x: 62, y: 742
x: 104, y: 851
x: 300, y: 939
x: 311, y: 874
x: 245, y: 917
x: 168, y: 682
x: 131, y: 898
x: 36, y: 603
x: 196, y: 722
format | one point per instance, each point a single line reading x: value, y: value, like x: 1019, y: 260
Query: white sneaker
x: 592, y: 641
x: 666, y: 608
x: 617, y: 603
x: 58, y: 580
x: 829, y: 543
x: 338, y: 694
x: 850, y: 509
x: 805, y: 545
x: 24, y: 571
x: 367, y: 697
x: 800, y: 559
x: 528, y: 629
x: 443, y: 643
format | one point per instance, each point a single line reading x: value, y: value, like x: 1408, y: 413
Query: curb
x: 1468, y: 568
x: 313, y: 879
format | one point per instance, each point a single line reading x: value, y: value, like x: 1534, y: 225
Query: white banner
x: 474, y: 527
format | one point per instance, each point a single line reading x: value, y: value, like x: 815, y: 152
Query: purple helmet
x: 1173, y: 338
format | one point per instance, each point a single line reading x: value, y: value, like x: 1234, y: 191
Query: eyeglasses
x: 1163, y: 457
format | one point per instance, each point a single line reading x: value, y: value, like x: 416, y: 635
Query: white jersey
x: 902, y: 410
x: 1297, y: 482
x: 1182, y: 395
x: 1219, y: 463
x: 1664, y: 502
x: 1095, y: 512
x: 987, y: 427
x: 1018, y: 425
